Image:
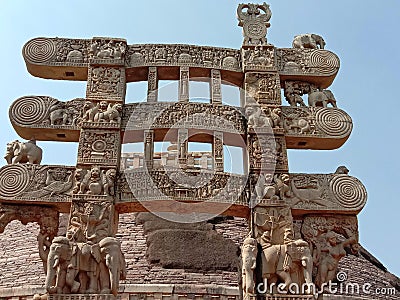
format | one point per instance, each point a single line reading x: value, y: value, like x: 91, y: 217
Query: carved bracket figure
x: 46, y: 217
x: 329, y: 236
x: 23, y: 152
x: 321, y: 98
x: 249, y: 263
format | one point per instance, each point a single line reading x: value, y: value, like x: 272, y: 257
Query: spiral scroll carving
x: 40, y: 50
x: 333, y: 122
x: 324, y: 62
x: 29, y: 110
x: 14, y: 179
x: 349, y: 191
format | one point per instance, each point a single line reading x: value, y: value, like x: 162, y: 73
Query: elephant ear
x: 96, y: 252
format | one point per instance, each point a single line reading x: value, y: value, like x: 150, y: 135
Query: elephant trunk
x: 50, y: 284
x: 307, y: 269
x: 8, y: 158
x: 113, y: 267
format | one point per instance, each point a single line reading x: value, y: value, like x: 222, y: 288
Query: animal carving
x: 276, y: 117
x: 95, y: 182
x: 90, y: 111
x: 301, y: 125
x: 308, y: 40
x: 23, y: 152
x: 109, y: 181
x: 256, y: 117
x: 91, y: 183
x: 58, y: 114
x: 111, y: 114
x: 249, y: 259
x: 321, y: 98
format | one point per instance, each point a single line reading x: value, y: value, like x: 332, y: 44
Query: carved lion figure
x: 109, y: 181
x: 110, y: 113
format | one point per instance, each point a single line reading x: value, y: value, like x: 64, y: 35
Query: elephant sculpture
x: 114, y: 260
x: 57, y: 265
x: 20, y: 152
x: 321, y: 98
x: 288, y: 263
x: 308, y: 40
x: 84, y: 268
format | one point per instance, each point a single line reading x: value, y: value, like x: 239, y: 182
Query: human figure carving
x: 330, y: 256
x: 293, y: 96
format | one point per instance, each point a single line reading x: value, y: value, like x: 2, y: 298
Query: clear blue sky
x: 364, y: 34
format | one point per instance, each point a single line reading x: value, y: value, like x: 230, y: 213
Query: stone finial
x: 255, y: 21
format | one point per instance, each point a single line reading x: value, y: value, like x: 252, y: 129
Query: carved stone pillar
x: 182, y: 147
x: 218, y: 151
x: 152, y: 85
x: 93, y: 219
x: 215, y: 87
x: 184, y: 84
x: 149, y: 148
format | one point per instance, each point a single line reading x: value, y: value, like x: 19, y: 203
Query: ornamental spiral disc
x: 39, y: 50
x: 333, y: 122
x: 29, y: 110
x: 324, y: 62
x: 14, y: 179
x: 349, y: 191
